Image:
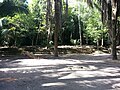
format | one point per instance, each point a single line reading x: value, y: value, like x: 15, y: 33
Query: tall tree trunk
x: 79, y: 20
x: 57, y: 26
x: 66, y: 9
x: 61, y: 9
x: 118, y: 34
x: 114, y: 25
x: 48, y: 20
x: 109, y: 18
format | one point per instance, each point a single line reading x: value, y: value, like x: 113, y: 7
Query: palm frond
x: 7, y: 8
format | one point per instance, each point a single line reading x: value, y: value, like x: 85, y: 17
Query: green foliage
x: 9, y: 7
x: 25, y: 29
x: 30, y: 28
x: 94, y: 27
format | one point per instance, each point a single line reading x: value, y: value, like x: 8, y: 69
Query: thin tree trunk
x: 15, y: 43
x: 57, y: 26
x: 109, y: 18
x: 37, y: 38
x: 114, y: 53
x: 48, y: 21
x: 66, y: 9
x: 102, y: 41
x: 32, y: 39
x: 118, y: 35
x: 97, y: 44
x: 38, y: 33
x: 79, y: 21
x: 61, y: 9
x: 86, y: 40
x: 114, y: 24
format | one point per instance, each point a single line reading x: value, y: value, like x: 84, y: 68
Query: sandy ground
x: 67, y: 72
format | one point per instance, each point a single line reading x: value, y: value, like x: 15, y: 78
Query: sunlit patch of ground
x: 53, y: 84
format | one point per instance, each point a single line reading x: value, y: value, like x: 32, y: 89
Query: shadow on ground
x: 68, y: 72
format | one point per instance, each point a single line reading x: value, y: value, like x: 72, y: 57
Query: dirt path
x: 68, y: 72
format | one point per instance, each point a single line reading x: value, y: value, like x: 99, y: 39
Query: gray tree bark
x: 57, y: 26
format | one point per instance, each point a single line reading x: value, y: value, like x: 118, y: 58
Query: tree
x: 111, y: 10
x: 110, y: 13
x: 18, y: 27
x: 10, y: 8
x: 38, y: 9
x: 57, y: 26
x: 114, y: 4
x: 49, y: 21
x: 79, y: 19
x: 66, y: 9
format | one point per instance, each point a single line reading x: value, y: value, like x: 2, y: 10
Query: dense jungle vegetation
x: 48, y: 23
